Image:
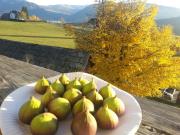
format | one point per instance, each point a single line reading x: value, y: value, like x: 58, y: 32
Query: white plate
x: 10, y: 125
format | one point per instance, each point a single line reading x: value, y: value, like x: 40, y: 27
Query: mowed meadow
x: 37, y: 33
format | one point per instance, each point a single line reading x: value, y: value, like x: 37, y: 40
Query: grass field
x: 36, y: 32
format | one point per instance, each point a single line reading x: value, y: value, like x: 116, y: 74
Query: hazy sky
x: 172, y: 3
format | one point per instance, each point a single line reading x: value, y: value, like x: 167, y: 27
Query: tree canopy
x: 24, y: 13
x: 129, y: 50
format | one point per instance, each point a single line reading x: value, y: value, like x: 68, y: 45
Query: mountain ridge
x: 89, y: 11
x: 175, y: 22
x: 8, y: 5
x: 71, y: 13
x: 63, y: 9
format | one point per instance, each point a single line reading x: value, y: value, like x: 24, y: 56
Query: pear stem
x: 115, y: 97
x: 32, y: 97
x: 84, y: 98
x: 94, y: 90
x: 84, y: 108
x: 105, y: 106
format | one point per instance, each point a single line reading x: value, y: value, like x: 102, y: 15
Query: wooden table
x: 158, y: 118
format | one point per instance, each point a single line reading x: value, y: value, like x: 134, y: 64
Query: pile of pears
x: 90, y: 108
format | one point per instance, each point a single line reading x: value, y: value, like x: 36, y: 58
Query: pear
x: 30, y: 109
x: 96, y: 98
x: 44, y: 124
x: 41, y: 85
x: 106, y: 118
x: 64, y: 79
x: 84, y: 124
x: 115, y: 104
x: 89, y: 87
x: 49, y: 96
x: 107, y: 91
x: 74, y: 84
x: 83, y: 81
x: 83, y: 104
x: 61, y: 107
x: 58, y: 87
x: 73, y: 95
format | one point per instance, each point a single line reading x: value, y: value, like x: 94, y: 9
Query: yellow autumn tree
x: 128, y: 49
x: 34, y: 18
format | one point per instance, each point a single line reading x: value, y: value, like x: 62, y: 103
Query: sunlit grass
x: 36, y: 32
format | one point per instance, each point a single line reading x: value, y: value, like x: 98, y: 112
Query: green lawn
x: 36, y: 32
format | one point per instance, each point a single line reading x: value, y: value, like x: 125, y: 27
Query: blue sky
x: 172, y: 3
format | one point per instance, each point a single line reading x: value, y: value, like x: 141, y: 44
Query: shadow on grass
x: 37, y: 36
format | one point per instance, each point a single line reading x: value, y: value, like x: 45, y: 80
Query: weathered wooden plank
x: 14, y: 73
x: 160, y: 116
x: 158, y: 119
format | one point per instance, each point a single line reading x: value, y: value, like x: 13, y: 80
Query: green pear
x: 89, y: 87
x: 96, y: 98
x: 115, y: 104
x: 106, y: 118
x: 84, y: 123
x: 41, y: 85
x: 30, y: 109
x: 74, y: 84
x: 64, y: 79
x: 61, y: 107
x: 58, y: 87
x: 83, y: 104
x: 107, y: 91
x: 49, y: 96
x: 73, y: 95
x: 44, y: 124
x: 83, y: 81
